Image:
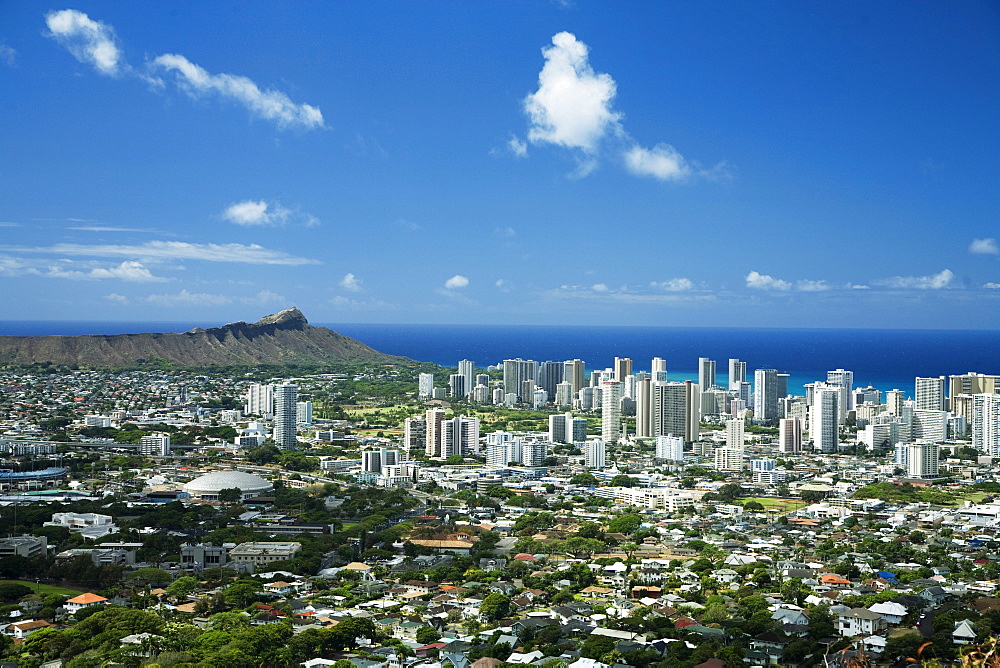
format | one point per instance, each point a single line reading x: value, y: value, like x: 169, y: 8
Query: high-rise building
x: 670, y: 448
x: 782, y: 380
x: 304, y: 412
x: 894, y: 401
x: 414, y: 434
x: 973, y: 383
x: 425, y: 385
x: 737, y: 373
x: 611, y: 411
x: 573, y: 373
x: 460, y: 436
x: 260, y: 400
x: 564, y: 428
x: 728, y: 459
x: 285, y: 396
x: 845, y: 381
x: 929, y: 393
x: 765, y: 395
x: 594, y: 454
x: 154, y: 445
x: 516, y: 376
x: 467, y: 369
x: 706, y: 373
x: 550, y: 374
x: 644, y: 408
x: 434, y: 432
x: 564, y: 394
x: 676, y: 410
x: 790, y: 435
x: 929, y: 425
x: 533, y: 452
x: 735, y: 433
x: 986, y: 423
x: 824, y: 418
x: 456, y: 385
x: 623, y: 368
x: 922, y: 460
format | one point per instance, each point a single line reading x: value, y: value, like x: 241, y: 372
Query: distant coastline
x: 881, y: 358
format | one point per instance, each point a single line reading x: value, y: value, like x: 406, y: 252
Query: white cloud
x: 505, y: 232
x: 942, y: 279
x: 456, y: 281
x: 807, y: 285
x: 7, y: 224
x: 90, y: 42
x: 117, y: 298
x: 175, y: 250
x: 518, y: 147
x: 502, y: 285
x: 573, y: 104
x: 760, y: 281
x: 185, y: 298
x: 270, y: 105
x: 8, y: 56
x: 992, y: 286
x: 600, y: 287
x: 351, y: 282
x: 249, y: 212
x: 662, y: 162
x: 130, y: 270
x: 858, y: 287
x: 674, y: 285
x: 574, y: 108
x: 263, y: 298
x: 984, y: 247
x: 95, y: 43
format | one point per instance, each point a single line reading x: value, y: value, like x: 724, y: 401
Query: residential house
x: 859, y: 621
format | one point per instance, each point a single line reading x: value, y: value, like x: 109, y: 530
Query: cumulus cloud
x: 661, y: 162
x: 91, y: 42
x: 984, y: 247
x: 573, y: 104
x: 938, y: 281
x: 96, y: 44
x: 574, y: 108
x: 117, y: 298
x: 270, y: 105
x: 130, y: 270
x: 600, y: 287
x: 760, y: 281
x: 185, y: 298
x: 992, y: 286
x: 174, y: 250
x: 502, y: 285
x: 674, y: 285
x: 456, y: 281
x: 351, y: 282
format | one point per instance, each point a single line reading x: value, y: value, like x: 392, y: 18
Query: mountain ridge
x: 285, y: 337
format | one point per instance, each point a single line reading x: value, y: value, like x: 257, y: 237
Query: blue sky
x: 653, y: 163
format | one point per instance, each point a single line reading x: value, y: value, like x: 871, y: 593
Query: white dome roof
x: 212, y: 483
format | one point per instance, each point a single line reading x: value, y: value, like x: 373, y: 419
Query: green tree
x: 495, y: 606
x: 626, y: 524
x: 427, y: 634
x: 231, y: 495
x: 182, y: 587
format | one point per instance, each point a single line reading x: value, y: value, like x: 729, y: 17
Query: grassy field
x: 45, y: 589
x: 778, y: 505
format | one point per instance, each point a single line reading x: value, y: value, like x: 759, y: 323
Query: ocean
x: 884, y: 359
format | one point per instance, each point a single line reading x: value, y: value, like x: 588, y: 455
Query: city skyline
x: 753, y: 165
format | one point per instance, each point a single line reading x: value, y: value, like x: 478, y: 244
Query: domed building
x: 208, y: 486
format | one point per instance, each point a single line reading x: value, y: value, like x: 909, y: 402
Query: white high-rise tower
x: 285, y: 409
